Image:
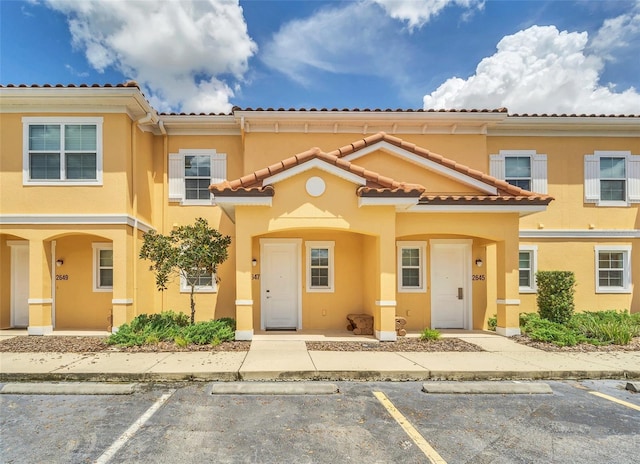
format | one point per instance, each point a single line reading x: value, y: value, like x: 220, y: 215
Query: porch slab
x: 277, y: 360
x: 199, y: 366
x: 339, y: 365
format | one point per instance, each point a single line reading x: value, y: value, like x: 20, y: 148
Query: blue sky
x: 208, y: 55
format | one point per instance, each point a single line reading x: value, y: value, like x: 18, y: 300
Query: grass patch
x: 172, y: 327
x: 596, y: 328
x: 430, y: 335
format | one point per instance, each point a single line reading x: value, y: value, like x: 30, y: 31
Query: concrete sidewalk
x: 286, y: 357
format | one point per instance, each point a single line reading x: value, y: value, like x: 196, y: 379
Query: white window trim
x: 28, y: 121
x: 533, y: 250
x: 592, y: 179
x: 626, y: 268
x: 329, y: 245
x: 177, y: 190
x: 539, y: 170
x: 97, y: 247
x: 422, y: 247
x: 185, y: 288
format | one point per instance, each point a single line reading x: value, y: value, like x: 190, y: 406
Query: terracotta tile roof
x: 376, y: 184
x: 373, y: 110
x: 70, y: 86
x: 503, y: 187
x: 426, y: 199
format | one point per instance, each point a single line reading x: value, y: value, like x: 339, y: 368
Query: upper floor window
x: 320, y: 266
x: 192, y: 171
x: 62, y: 151
x: 613, y: 269
x: 411, y: 266
x: 612, y: 178
x: 523, y: 168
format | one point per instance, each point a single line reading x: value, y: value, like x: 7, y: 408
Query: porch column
x: 508, y: 301
x: 123, y: 265
x: 244, y: 297
x: 385, y: 309
x: 40, y: 296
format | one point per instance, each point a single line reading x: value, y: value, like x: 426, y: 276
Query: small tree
x: 555, y: 295
x: 192, y: 252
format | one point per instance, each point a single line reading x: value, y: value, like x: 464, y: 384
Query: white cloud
x: 617, y: 33
x: 178, y: 50
x: 329, y: 42
x: 538, y: 70
x: 419, y: 12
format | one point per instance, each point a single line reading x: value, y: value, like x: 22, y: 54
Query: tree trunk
x: 193, y: 305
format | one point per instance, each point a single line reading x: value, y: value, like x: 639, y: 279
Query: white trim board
x: 312, y: 164
x: 74, y: 219
x: 578, y: 233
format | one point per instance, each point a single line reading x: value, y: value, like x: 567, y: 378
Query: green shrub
x: 430, y: 334
x: 170, y: 326
x: 545, y: 330
x: 204, y: 333
x: 607, y: 327
x: 492, y: 323
x: 555, y: 295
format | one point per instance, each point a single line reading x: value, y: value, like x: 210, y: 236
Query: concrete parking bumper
x: 487, y: 388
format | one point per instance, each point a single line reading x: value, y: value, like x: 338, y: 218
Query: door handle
x: 460, y: 296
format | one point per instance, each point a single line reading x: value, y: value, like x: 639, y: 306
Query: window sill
x: 412, y: 290
x: 320, y: 290
x: 527, y: 290
x: 200, y: 290
x: 614, y: 290
x: 103, y: 290
x: 613, y: 204
x: 197, y: 202
x: 62, y: 183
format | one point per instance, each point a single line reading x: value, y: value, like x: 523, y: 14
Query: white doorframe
x: 466, y: 245
x: 17, y: 282
x: 53, y: 283
x: 297, y: 246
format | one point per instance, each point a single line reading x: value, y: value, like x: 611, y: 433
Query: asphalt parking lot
x: 365, y: 422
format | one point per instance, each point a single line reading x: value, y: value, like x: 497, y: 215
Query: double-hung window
x: 192, y: 171
x: 102, y: 267
x: 204, y: 282
x: 612, y: 178
x: 62, y: 151
x: 522, y: 168
x: 527, y: 267
x: 411, y: 266
x: 613, y: 269
x: 320, y: 266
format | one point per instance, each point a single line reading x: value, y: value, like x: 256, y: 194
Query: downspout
x: 165, y: 182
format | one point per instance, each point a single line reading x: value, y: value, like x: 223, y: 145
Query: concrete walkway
x: 285, y: 357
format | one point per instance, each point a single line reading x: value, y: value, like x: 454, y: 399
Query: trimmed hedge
x: 555, y: 295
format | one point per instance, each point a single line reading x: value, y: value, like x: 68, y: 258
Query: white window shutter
x: 539, y: 173
x: 176, y: 177
x: 218, y: 168
x: 496, y: 166
x: 591, y: 179
x: 633, y: 177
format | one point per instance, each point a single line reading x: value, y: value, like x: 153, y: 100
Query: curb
x: 377, y: 376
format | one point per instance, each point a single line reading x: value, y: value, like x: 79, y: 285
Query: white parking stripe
x: 418, y: 439
x: 131, y: 431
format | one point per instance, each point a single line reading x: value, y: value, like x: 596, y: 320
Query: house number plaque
x: 255, y: 277
x: 62, y: 276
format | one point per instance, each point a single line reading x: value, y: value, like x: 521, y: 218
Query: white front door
x: 450, y: 288
x: 19, y: 284
x: 280, y: 284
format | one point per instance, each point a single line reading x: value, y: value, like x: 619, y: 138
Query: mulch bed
x: 71, y: 344
x: 85, y: 344
x: 402, y: 344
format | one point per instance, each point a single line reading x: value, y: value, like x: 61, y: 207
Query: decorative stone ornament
x: 315, y: 186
